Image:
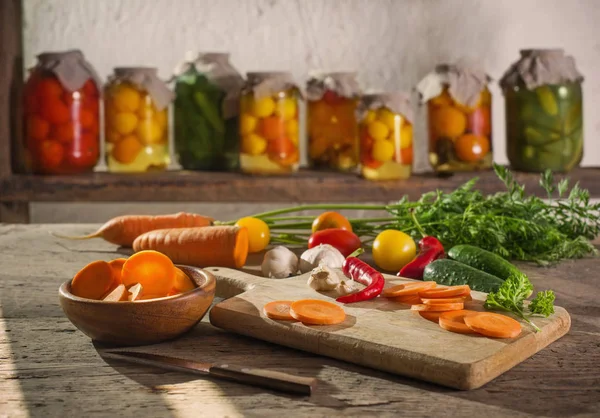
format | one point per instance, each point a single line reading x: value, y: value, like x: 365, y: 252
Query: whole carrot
x: 221, y: 246
x: 123, y: 230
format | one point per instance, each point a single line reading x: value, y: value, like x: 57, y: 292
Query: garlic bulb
x: 323, y: 278
x: 345, y: 288
x: 324, y: 254
x: 279, y: 263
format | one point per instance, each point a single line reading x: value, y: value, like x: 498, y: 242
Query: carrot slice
x: 279, y: 310
x: 408, y: 299
x: 455, y: 321
x: 440, y: 307
x: 182, y: 282
x: 317, y: 312
x: 407, y: 289
x: 153, y: 270
x: 457, y: 299
x: 430, y: 315
x: 117, y: 268
x: 493, y: 325
x: 448, y: 292
x: 93, y: 281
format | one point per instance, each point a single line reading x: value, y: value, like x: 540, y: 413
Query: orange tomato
x: 37, y: 128
x: 127, y: 149
x: 64, y: 133
x: 272, y: 128
x: 51, y: 154
x: 471, y: 148
x: 479, y: 121
x: 282, y: 150
x: 406, y: 156
x: 55, y: 111
x: 448, y: 121
x: 84, y: 152
x: 331, y: 220
x: 49, y: 88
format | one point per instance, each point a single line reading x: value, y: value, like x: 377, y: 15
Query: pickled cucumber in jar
x: 544, y: 119
x: 269, y: 129
x: 332, y: 126
x: 136, y: 121
x: 386, y: 136
x: 459, y: 118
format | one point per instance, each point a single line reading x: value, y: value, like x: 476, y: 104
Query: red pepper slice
x: 363, y: 273
x: 430, y: 249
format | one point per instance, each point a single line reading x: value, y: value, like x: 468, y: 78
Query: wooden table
x: 48, y: 368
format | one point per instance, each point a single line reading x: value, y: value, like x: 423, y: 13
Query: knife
x: 279, y: 381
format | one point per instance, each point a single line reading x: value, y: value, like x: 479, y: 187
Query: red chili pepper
x: 363, y: 273
x: 430, y: 249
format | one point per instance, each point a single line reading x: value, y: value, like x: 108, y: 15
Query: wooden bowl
x: 144, y: 322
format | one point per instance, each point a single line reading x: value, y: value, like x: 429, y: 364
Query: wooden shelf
x: 306, y: 186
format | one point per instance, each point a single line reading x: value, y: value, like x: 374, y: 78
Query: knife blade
x: 269, y: 379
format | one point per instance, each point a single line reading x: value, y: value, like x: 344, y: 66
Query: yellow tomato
x: 291, y: 127
x: 125, y: 122
x: 247, y: 123
x: 406, y: 136
x: 261, y: 108
x: 126, y: 99
x: 388, y: 118
x: 149, y: 132
x: 383, y: 150
x: 378, y: 130
x: 370, y: 116
x: 286, y: 108
x: 393, y: 249
x: 258, y: 233
x: 253, y: 144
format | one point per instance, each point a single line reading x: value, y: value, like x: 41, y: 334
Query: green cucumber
x: 452, y: 273
x: 483, y: 260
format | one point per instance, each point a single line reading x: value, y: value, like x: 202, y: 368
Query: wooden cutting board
x: 380, y: 334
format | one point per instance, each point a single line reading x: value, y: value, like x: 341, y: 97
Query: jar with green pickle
x: 459, y: 113
x: 136, y: 105
x: 206, y: 113
x: 269, y: 128
x: 544, y: 112
x: 332, y: 127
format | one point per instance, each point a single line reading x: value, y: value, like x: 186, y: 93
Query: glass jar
x: 332, y: 125
x: 544, y: 111
x: 269, y: 128
x: 386, y: 137
x: 460, y: 136
x: 61, y: 102
x: 206, y: 114
x: 544, y: 127
x: 136, y: 127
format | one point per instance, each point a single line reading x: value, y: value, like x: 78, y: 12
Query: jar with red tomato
x: 459, y: 112
x: 269, y: 128
x: 136, y: 104
x: 332, y: 127
x: 61, y: 102
x: 386, y: 136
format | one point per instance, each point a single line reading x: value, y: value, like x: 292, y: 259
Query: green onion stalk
x: 511, y: 223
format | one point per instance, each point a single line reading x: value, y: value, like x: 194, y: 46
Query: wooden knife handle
x: 279, y: 381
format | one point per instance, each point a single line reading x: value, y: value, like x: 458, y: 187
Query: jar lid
x: 70, y: 67
x: 464, y: 79
x: 269, y: 83
x: 344, y: 84
x: 397, y: 102
x: 538, y: 67
x: 146, y: 78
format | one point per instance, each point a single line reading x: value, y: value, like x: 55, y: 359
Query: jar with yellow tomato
x: 269, y: 129
x: 459, y: 113
x: 386, y: 136
x: 62, y: 118
x: 136, y: 120
x: 332, y: 126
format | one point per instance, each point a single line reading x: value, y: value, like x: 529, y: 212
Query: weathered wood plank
x: 48, y: 368
x: 306, y: 186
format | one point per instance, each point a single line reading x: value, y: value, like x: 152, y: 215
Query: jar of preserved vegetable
x: 544, y: 112
x: 386, y: 136
x: 332, y: 128
x: 459, y: 113
x: 206, y: 113
x: 136, y: 112
x: 269, y: 124
x: 61, y: 114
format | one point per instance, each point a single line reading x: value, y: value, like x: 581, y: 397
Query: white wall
x: 392, y: 43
